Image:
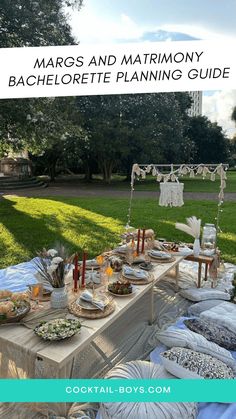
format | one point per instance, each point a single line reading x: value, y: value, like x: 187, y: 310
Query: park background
x: 83, y: 148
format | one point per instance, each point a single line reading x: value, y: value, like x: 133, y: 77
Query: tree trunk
x: 88, y: 176
x: 107, y: 168
x: 52, y: 172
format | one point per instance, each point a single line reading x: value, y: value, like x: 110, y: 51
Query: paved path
x: 61, y: 189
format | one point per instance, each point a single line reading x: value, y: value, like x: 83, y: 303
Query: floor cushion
x: 186, y: 363
x: 213, y: 332
x: 201, y: 294
x: 135, y: 410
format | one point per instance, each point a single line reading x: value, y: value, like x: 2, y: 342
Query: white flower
x: 52, y: 252
x: 57, y: 260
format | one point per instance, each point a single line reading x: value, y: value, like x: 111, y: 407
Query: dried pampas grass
x: 192, y: 227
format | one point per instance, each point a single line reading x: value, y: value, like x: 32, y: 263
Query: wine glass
x: 36, y: 295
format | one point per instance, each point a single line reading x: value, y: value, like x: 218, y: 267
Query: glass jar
x: 209, y: 237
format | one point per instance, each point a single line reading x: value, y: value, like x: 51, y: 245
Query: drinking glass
x: 36, y: 295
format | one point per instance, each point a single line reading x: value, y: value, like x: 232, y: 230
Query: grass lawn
x: 29, y: 224
x: 150, y: 184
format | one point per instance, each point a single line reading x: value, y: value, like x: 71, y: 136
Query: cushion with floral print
x: 185, y: 363
x: 212, y: 332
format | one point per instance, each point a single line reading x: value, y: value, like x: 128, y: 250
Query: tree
x: 233, y: 116
x: 130, y: 128
x: 35, y: 123
x: 35, y: 23
x: 211, y: 144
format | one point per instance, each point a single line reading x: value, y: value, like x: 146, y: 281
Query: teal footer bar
x: 94, y: 390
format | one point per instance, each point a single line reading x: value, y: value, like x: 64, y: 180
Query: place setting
x: 160, y: 256
x: 92, y: 305
x: 136, y: 276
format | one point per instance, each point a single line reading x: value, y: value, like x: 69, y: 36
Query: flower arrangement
x: 53, y: 265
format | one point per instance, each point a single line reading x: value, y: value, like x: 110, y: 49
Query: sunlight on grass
x: 228, y: 236
x: 172, y: 223
x: 29, y: 224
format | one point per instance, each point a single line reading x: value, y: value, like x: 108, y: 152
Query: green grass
x: 150, y: 184
x: 29, y: 224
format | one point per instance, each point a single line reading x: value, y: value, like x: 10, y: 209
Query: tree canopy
x: 210, y: 142
x: 35, y: 23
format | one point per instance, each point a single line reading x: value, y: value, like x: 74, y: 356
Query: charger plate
x: 162, y: 260
x: 86, y: 305
x: 137, y: 281
x: 20, y: 313
x: 95, y: 314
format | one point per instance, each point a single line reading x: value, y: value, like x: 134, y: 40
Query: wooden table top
x: 201, y: 258
x: 59, y: 353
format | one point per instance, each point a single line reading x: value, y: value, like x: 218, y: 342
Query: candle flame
x: 109, y: 271
x: 100, y: 259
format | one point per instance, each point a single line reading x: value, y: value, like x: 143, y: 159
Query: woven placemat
x: 138, y: 281
x: 95, y: 314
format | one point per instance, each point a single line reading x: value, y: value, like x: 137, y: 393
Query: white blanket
x: 223, y: 315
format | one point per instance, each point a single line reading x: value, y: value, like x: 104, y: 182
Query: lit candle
x: 75, y: 273
x: 143, y: 240
x: 138, y: 240
x: 83, y: 270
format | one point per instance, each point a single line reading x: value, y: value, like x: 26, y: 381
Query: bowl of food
x: 13, y: 306
x: 57, y: 329
x: 121, y: 289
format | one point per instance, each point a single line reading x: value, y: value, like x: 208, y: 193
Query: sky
x: 116, y: 21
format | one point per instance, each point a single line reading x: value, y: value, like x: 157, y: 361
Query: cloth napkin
x: 87, y: 296
x: 121, y: 249
x: 136, y: 273
x: 89, y: 262
x: 92, y: 277
x: 159, y: 254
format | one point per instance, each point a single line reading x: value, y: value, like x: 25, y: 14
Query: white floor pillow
x: 197, y: 308
x: 221, y: 315
x: 191, y: 340
x: 149, y: 410
x: 201, y: 294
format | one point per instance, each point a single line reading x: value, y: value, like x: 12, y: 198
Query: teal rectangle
x: 117, y: 390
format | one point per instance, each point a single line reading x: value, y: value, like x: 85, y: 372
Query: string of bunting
x: 191, y: 170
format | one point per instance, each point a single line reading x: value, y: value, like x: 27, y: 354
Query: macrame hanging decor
x: 171, y: 194
x: 171, y: 189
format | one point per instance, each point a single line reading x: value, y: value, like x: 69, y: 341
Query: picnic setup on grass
x: 144, y: 309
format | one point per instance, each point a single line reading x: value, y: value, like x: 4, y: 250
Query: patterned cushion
x: 218, y: 334
x: 135, y: 410
x: 198, y: 308
x: 188, y: 339
x: 185, y: 363
x: 201, y: 294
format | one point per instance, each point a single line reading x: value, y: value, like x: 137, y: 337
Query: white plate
x: 134, y: 278
x: 159, y: 257
x: 90, y: 267
x: 86, y: 305
x: 124, y: 295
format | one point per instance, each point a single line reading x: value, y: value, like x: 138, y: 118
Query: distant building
x: 196, y: 107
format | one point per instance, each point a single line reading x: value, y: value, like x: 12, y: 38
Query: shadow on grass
x: 41, y: 222
x: 95, y: 223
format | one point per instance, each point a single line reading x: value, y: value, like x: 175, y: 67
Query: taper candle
x: 138, y: 240
x: 83, y: 269
x: 75, y: 273
x: 143, y: 240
